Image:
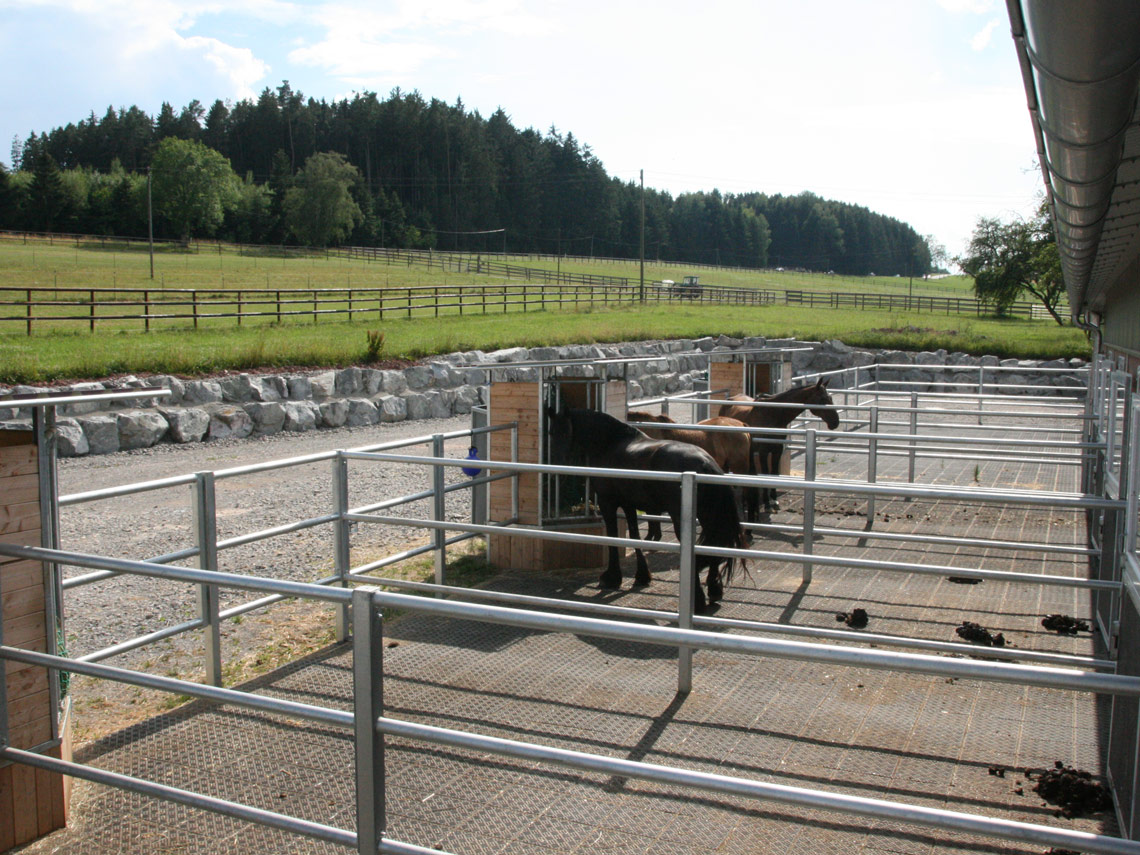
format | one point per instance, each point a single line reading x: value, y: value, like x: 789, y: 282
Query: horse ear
x: 823, y: 381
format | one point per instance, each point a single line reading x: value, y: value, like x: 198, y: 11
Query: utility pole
x: 149, y: 223
x: 642, y: 290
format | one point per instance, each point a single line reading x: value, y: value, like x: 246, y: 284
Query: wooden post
x: 194, y: 299
x: 146, y: 311
x: 29, y: 311
x: 31, y: 801
x: 92, y: 322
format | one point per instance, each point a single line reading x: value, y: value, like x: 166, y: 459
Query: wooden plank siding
x: 31, y: 801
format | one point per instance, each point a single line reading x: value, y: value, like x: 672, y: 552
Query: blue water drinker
x: 472, y: 471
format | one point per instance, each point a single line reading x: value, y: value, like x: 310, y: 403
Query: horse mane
x: 789, y: 395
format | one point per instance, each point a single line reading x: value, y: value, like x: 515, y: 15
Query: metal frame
x: 371, y: 725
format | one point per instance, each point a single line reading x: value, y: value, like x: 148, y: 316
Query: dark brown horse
x: 591, y: 438
x: 730, y: 450
x: 813, y: 397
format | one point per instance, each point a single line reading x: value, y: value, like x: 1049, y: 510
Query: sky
x: 912, y: 108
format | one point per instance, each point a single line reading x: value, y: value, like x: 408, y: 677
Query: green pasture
x: 91, y: 263
x: 309, y: 335
x: 81, y: 355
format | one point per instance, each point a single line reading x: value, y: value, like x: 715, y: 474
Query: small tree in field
x: 193, y: 186
x: 1007, y: 259
x: 320, y: 210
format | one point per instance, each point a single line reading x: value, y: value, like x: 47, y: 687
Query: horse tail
x: 720, y: 524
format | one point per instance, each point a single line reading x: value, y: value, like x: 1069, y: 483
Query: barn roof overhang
x: 1080, y: 62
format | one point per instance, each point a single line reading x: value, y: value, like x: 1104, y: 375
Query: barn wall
x: 1120, y: 329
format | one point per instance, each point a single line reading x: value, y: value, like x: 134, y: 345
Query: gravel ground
x: 157, y: 522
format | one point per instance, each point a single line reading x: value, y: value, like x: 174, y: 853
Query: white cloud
x: 975, y: 7
x: 238, y: 65
x: 982, y: 40
x: 366, y: 45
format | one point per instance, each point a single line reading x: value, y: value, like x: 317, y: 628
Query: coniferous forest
x: 422, y: 173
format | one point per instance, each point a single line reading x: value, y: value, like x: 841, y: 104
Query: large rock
x: 439, y: 402
x: 393, y: 408
x: 70, y: 440
x: 187, y: 424
x: 229, y: 422
x: 300, y: 388
x: 248, y: 387
x: 418, y: 406
x: 301, y: 415
x: 140, y: 428
x: 323, y: 385
x: 268, y: 417
x: 348, y: 382
x: 102, y: 432
x: 361, y: 411
x: 418, y: 377
x: 202, y: 392
x: 466, y: 397
x: 333, y: 413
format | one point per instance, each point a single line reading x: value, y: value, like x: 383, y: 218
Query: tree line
x: 405, y: 171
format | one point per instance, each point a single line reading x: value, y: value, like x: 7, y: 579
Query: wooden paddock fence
x: 44, y: 308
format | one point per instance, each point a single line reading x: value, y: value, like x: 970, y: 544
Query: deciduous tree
x: 193, y: 186
x: 1009, y: 259
x: 320, y: 210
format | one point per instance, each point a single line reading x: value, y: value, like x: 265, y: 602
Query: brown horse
x: 730, y: 450
x: 589, y: 438
x: 813, y: 397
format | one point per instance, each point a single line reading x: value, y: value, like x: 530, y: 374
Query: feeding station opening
x: 521, y: 393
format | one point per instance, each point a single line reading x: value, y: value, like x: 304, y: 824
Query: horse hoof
x: 609, y: 583
x: 716, y: 594
x: 641, y: 581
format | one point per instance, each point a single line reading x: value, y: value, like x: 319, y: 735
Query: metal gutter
x: 1080, y: 63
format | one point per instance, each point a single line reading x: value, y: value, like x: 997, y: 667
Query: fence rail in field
x: 546, y: 290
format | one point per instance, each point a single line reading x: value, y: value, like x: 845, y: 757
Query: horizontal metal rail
x: 697, y: 639
x: 781, y: 793
x: 1074, y: 501
x: 254, y: 468
x: 752, y: 554
x: 706, y: 622
x: 947, y: 540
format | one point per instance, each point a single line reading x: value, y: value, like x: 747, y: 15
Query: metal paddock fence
x: 1099, y: 435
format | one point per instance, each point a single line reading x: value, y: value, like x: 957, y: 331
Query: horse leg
x: 777, y: 455
x: 713, y: 581
x: 641, y: 576
x: 611, y: 576
x: 764, y: 465
x: 653, y: 530
x: 700, y: 605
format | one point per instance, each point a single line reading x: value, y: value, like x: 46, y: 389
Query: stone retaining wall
x: 244, y: 405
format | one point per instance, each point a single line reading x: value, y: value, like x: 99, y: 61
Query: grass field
x: 67, y: 263
x: 75, y: 353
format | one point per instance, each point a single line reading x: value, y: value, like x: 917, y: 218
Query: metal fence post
x: 206, y: 538
x: 515, y: 477
x: 809, y: 500
x: 342, y: 548
x: 367, y: 707
x: 687, y: 537
x: 913, y: 433
x: 439, y: 510
x: 872, y: 460
x: 981, y: 390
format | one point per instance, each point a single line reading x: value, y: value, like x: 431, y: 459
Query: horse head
x: 821, y: 398
x: 559, y: 437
